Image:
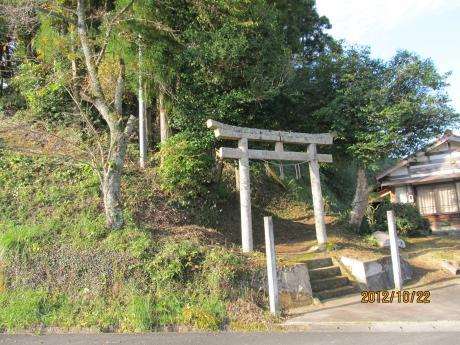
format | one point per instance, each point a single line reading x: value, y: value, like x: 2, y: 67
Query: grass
x: 21, y: 308
x: 61, y: 267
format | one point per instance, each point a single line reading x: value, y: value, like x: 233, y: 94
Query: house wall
x: 439, y: 222
x: 444, y: 222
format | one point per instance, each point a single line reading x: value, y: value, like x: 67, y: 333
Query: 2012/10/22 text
x: 403, y: 296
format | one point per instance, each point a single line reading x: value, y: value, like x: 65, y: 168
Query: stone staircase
x: 327, y: 281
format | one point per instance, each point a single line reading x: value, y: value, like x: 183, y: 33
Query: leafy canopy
x: 385, y: 109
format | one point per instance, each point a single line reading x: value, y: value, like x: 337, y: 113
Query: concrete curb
x: 375, y: 326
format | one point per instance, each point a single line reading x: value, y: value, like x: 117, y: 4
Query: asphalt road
x: 290, y: 338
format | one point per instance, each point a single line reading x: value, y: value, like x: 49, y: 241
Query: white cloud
x: 356, y: 19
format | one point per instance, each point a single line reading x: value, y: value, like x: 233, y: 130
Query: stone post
x: 395, y: 260
x: 318, y: 206
x: 245, y: 197
x: 271, y: 266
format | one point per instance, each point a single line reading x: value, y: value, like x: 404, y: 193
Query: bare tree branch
x: 90, y: 126
x: 67, y: 158
x: 158, y: 26
x: 20, y: 16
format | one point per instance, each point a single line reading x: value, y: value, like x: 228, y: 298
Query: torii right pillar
x: 317, y: 196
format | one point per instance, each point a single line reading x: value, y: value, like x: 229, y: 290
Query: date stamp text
x: 403, y: 296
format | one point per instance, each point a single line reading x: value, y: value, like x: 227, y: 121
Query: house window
x: 426, y: 200
x: 447, y: 198
x: 441, y: 198
x: 401, y: 194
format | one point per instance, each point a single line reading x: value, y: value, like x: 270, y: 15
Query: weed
x: 21, y: 308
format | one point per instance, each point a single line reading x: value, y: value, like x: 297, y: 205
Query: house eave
x: 422, y: 180
x: 409, y: 159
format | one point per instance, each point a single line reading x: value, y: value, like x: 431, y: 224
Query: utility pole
x: 142, y: 122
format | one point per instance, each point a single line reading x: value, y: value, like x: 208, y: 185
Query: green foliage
x: 408, y: 219
x: 221, y: 269
x: 21, y: 309
x: 11, y: 101
x: 175, y: 262
x: 185, y: 166
x: 237, y: 59
x: 140, y: 312
x: 44, y: 92
x: 383, y: 109
x: 210, y: 314
x: 337, y: 181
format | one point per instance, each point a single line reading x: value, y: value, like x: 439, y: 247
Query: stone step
x: 337, y: 292
x: 318, y: 263
x: 324, y: 272
x: 329, y: 283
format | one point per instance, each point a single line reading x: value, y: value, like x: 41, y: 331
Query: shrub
x: 220, y: 270
x: 408, y: 218
x: 44, y: 92
x: 175, y: 261
x: 11, y: 101
x: 185, y: 166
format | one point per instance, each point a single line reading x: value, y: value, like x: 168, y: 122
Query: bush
x: 185, y: 166
x: 44, y: 92
x: 11, y: 101
x: 409, y: 221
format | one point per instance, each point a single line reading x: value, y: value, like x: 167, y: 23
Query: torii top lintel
x: 224, y: 131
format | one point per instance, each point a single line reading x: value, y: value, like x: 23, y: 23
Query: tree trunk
x: 164, y: 125
x: 111, y: 186
x: 360, y: 200
x: 112, y: 202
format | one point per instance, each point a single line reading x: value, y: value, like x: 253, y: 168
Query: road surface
x: 289, y: 338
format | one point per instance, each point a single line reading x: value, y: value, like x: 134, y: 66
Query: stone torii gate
x: 244, y: 154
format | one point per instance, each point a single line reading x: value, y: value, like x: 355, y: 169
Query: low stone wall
x: 293, y: 285
x: 376, y: 274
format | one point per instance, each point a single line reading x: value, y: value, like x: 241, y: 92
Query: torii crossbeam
x: 244, y: 154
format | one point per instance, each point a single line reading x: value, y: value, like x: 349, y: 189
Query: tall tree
x: 119, y: 128
x: 236, y: 58
x: 308, y: 87
x: 97, y: 79
x: 382, y: 109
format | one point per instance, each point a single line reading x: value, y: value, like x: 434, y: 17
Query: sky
x: 430, y: 28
